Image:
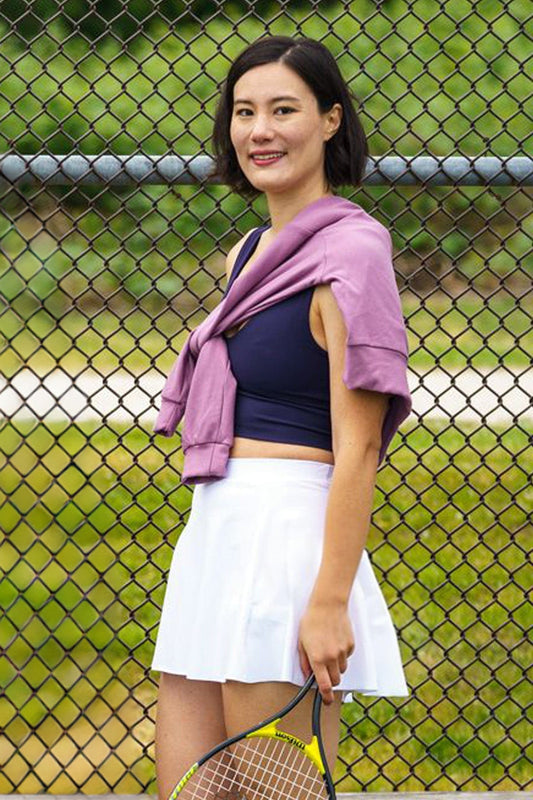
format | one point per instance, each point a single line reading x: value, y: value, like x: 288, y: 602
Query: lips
x: 266, y: 158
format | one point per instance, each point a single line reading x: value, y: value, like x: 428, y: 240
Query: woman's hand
x: 325, y: 642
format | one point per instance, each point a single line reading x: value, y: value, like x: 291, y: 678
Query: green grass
x: 91, y: 515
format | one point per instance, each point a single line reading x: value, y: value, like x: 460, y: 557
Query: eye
x: 239, y: 111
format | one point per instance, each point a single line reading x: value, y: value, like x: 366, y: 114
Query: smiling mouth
x: 267, y: 159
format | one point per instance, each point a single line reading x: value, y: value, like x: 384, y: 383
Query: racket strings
x: 284, y: 764
x: 259, y: 786
x: 261, y: 768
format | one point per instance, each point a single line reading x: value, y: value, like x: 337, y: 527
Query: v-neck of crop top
x: 245, y: 253
x: 282, y: 373
x: 302, y: 298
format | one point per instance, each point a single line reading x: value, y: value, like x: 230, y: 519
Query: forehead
x: 268, y: 83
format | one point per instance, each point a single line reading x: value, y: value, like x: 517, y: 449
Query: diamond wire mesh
x: 100, y: 285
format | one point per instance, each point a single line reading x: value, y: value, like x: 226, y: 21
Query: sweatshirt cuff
x: 381, y: 369
x: 206, y: 462
x: 168, y: 417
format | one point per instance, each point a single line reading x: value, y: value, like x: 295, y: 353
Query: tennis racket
x: 263, y: 763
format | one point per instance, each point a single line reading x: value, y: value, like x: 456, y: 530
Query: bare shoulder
x: 356, y: 414
x: 234, y: 252
x: 332, y: 326
x: 329, y: 315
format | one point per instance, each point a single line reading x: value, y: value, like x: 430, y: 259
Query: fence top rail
x: 127, y: 170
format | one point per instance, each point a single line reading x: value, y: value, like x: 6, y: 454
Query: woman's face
x: 275, y: 111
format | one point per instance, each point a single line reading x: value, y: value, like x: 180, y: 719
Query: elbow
x: 358, y: 452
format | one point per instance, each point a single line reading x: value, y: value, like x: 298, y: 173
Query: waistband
x: 278, y: 468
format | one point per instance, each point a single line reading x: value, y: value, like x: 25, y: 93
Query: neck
x: 283, y: 209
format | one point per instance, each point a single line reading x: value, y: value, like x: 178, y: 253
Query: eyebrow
x: 274, y: 99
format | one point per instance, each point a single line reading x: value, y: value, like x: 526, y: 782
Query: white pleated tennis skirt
x: 242, y: 573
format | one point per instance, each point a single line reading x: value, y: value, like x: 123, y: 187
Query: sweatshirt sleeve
x: 175, y: 392
x: 359, y: 267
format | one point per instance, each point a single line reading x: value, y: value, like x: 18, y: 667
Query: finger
x: 324, y: 683
x: 334, y: 674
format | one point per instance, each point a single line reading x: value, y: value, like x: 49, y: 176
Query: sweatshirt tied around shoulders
x: 332, y: 240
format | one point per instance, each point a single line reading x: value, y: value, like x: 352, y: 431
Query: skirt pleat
x: 242, y: 573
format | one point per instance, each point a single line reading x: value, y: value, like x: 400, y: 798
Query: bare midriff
x: 244, y: 447
x: 257, y: 448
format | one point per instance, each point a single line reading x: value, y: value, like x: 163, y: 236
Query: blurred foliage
x: 70, y: 93
x: 122, y: 20
x: 99, y: 95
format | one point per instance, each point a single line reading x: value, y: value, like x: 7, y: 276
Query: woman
x: 270, y: 577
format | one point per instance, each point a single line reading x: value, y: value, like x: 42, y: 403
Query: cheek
x: 236, y: 136
x: 300, y: 136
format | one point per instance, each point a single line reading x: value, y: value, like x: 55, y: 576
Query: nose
x: 261, y: 128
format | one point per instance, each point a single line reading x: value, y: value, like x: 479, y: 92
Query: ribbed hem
x: 205, y: 462
x: 168, y: 417
x: 381, y: 369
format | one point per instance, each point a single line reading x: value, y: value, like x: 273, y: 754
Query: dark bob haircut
x: 346, y: 151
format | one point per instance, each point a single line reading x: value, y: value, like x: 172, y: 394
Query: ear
x: 333, y: 120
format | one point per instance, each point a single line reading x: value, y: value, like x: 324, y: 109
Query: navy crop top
x: 282, y: 374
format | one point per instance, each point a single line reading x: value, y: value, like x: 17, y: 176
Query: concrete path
x: 497, y: 396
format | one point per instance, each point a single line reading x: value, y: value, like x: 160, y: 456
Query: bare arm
x: 326, y: 638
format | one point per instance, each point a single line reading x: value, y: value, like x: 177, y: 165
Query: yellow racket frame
x: 269, y: 729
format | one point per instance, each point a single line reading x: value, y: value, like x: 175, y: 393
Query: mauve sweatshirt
x: 331, y: 240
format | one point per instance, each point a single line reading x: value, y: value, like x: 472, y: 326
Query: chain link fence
x: 105, y: 266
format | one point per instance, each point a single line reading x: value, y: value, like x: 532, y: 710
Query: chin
x: 274, y: 179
